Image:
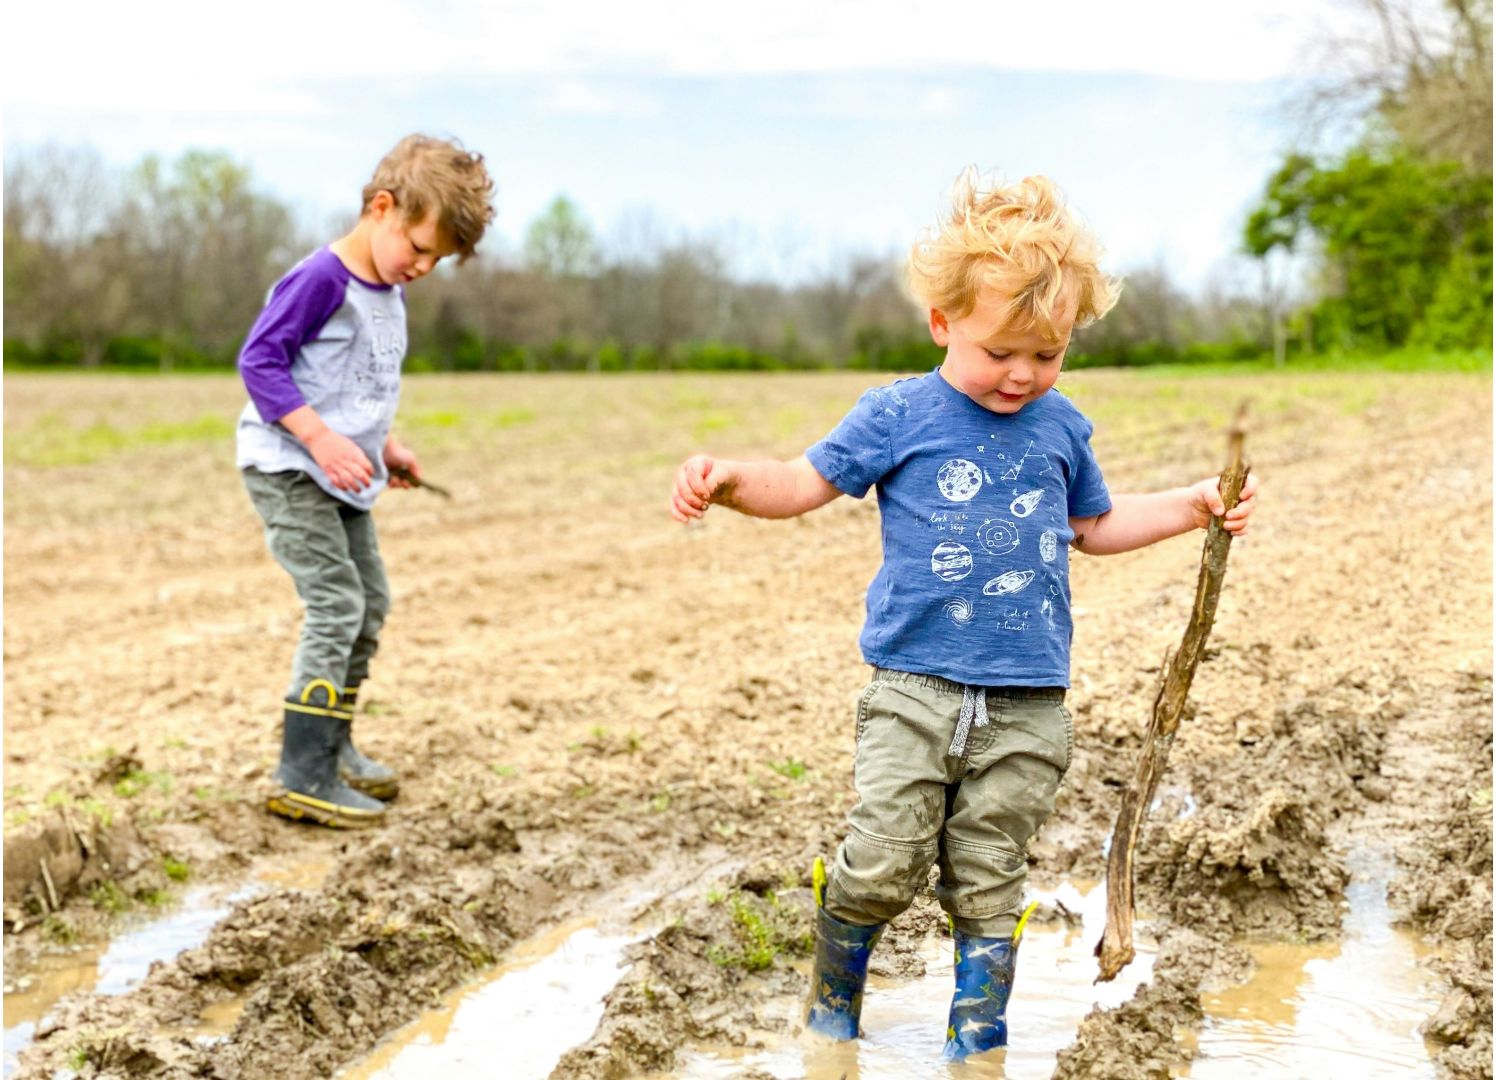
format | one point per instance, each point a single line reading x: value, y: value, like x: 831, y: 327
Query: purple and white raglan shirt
x: 335, y: 342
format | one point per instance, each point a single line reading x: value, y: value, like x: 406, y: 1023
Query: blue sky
x: 794, y: 134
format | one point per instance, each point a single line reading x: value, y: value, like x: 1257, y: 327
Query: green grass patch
x: 107, y: 896
x: 762, y: 932
x: 59, y: 929
x: 508, y: 418
x: 51, y: 441
x: 712, y: 422
x: 1453, y: 360
x: 176, y: 869
x: 137, y: 781
x: 433, y: 418
x: 789, y: 768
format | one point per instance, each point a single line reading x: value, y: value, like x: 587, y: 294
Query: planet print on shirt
x: 959, y: 480
x: 1011, y: 582
x: 950, y: 561
x: 1048, y: 545
x: 998, y: 535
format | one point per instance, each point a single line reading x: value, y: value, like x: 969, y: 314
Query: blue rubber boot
x: 979, y: 1007
x: 840, y: 972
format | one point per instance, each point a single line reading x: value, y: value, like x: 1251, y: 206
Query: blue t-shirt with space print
x: 975, y: 581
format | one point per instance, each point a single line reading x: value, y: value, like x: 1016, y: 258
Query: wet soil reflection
x: 546, y: 997
x: 118, y: 965
x: 904, y: 1022
x: 1352, y: 1006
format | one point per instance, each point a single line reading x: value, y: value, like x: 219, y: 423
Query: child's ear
x: 381, y: 204
x: 940, y: 330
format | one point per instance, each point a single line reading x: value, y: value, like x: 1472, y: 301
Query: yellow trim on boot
x: 1023, y: 921
x: 317, y: 710
x: 306, y: 692
x: 818, y: 881
x: 296, y: 806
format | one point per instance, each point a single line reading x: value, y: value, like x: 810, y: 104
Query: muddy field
x: 590, y: 702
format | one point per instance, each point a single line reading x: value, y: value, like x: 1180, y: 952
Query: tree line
x: 165, y: 265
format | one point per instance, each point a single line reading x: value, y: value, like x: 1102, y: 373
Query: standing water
x: 546, y: 997
x: 1352, y: 1006
x: 903, y: 1022
x: 126, y: 959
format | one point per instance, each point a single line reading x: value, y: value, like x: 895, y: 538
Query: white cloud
x: 269, y: 58
x: 570, y: 95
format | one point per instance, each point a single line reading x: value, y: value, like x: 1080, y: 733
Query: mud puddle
x: 117, y: 965
x: 545, y: 998
x: 903, y: 1021
x: 1352, y: 1006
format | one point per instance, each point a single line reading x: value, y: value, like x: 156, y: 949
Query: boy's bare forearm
x: 772, y: 489
x: 1135, y: 521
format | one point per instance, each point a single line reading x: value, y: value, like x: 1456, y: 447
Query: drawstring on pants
x: 973, y: 712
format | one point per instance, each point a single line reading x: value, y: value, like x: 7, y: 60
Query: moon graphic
x: 960, y: 611
x: 950, y: 561
x: 1048, y: 545
x: 1011, y: 582
x: 1026, y: 503
x: 998, y: 535
x: 959, y: 480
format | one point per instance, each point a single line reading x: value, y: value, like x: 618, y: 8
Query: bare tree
x: 1423, y: 65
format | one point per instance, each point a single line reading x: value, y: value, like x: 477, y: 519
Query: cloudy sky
x: 794, y: 132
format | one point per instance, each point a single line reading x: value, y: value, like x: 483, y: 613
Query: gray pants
x: 974, y: 813
x: 330, y: 551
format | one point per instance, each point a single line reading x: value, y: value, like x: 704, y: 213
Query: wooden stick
x: 411, y: 478
x: 1115, y: 949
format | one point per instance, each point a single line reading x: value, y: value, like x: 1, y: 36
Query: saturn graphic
x: 1011, y: 582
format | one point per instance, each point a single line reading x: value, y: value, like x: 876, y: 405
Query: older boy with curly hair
x: 985, y: 480
x: 322, y: 368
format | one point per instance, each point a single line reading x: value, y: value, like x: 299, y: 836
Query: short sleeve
x: 1086, y: 490
x: 858, y: 452
x: 298, y: 308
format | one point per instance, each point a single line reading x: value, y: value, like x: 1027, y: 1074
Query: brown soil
x: 582, y: 697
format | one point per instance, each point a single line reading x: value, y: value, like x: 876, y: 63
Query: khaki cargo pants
x: 974, y: 812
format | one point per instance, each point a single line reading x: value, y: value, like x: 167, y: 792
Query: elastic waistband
x: 994, y: 693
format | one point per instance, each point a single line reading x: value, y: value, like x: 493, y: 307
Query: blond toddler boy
x: 985, y: 480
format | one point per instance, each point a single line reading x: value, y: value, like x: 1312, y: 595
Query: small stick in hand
x: 414, y: 481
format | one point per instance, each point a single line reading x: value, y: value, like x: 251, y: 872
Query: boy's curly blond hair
x: 425, y: 174
x: 1022, y: 243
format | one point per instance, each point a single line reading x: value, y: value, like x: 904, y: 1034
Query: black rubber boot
x: 307, y: 784
x: 357, y: 771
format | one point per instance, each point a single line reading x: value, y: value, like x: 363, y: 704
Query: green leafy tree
x: 1405, y: 245
x: 559, y: 243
